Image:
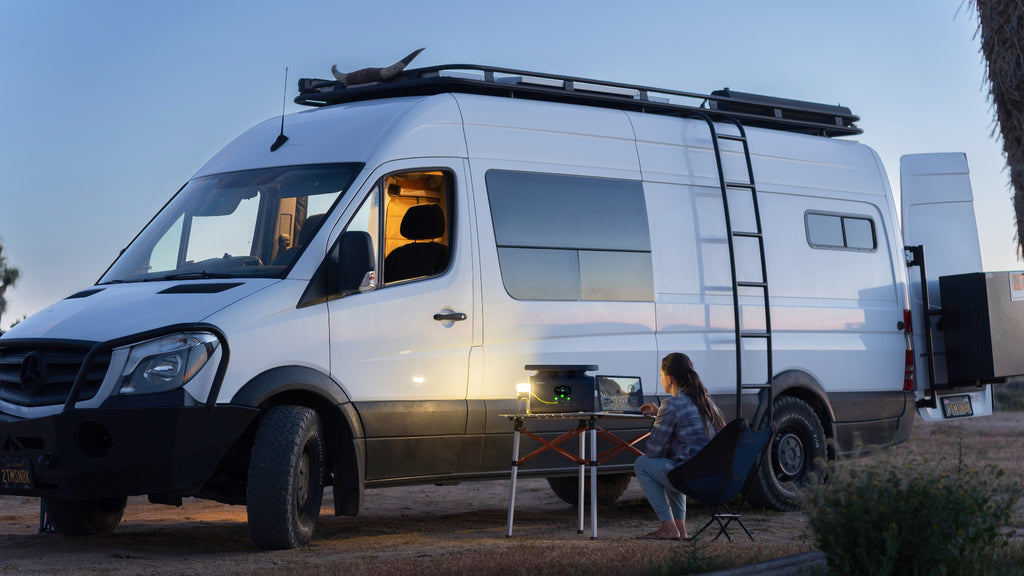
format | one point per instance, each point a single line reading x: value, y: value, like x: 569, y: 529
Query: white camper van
x: 353, y: 304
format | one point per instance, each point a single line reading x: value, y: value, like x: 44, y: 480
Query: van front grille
x: 42, y: 375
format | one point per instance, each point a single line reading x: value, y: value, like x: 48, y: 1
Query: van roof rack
x: 750, y: 109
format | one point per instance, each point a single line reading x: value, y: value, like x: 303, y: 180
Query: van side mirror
x: 355, y: 264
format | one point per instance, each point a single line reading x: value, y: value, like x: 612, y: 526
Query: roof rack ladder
x: 761, y: 286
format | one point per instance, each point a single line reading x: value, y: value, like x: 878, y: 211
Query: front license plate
x: 957, y: 406
x: 15, y: 472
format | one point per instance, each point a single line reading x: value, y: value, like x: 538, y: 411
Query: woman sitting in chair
x: 684, y: 423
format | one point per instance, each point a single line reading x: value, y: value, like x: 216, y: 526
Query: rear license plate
x: 15, y: 472
x: 957, y: 406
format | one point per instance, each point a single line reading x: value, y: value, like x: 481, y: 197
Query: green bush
x: 916, y: 518
x: 1009, y: 397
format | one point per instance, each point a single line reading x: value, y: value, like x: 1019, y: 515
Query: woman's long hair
x: 680, y: 367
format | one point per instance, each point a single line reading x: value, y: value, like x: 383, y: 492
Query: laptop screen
x: 622, y: 394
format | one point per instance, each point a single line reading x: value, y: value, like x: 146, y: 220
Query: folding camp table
x: 585, y: 421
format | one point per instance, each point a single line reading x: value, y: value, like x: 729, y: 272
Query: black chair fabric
x: 721, y: 470
x: 421, y: 222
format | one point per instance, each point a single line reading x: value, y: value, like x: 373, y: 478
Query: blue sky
x: 108, y: 107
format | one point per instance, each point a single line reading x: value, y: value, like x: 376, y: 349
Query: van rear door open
x: 938, y: 213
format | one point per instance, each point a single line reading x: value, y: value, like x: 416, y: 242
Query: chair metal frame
x: 721, y: 470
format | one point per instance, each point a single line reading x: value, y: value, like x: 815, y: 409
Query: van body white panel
x: 267, y: 330
x: 542, y: 137
x: 938, y: 213
x: 804, y: 164
x: 385, y: 344
x: 335, y: 134
x: 617, y: 336
x: 834, y: 312
x: 407, y: 373
x: 124, y: 309
x: 356, y: 132
x: 432, y: 127
x: 549, y: 133
x: 680, y: 151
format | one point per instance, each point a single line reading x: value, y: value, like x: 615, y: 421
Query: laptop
x: 619, y: 394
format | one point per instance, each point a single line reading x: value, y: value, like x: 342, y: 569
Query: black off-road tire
x: 286, y: 478
x: 609, y: 488
x: 796, y: 455
x: 85, y: 517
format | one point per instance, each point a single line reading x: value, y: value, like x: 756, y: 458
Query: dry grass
x: 461, y: 530
x: 618, y: 557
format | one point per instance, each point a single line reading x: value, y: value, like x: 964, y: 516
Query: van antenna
x: 281, y: 138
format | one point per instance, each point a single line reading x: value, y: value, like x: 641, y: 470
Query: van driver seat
x: 416, y: 259
x: 309, y: 227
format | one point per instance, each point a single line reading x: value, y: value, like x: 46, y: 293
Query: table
x: 585, y: 421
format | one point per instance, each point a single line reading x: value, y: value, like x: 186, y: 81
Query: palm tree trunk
x: 1001, y: 27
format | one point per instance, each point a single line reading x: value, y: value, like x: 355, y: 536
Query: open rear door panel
x: 938, y: 213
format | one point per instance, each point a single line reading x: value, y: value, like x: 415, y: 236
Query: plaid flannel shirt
x: 678, y: 432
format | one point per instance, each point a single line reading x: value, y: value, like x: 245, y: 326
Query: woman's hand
x: 649, y: 409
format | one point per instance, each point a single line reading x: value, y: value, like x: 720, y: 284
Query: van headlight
x: 167, y: 363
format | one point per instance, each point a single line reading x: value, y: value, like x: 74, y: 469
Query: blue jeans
x: 668, y: 503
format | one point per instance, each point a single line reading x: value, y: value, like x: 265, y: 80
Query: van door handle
x: 450, y: 316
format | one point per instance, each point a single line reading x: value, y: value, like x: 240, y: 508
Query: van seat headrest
x: 423, y: 222
x: 309, y: 227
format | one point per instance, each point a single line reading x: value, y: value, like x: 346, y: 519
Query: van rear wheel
x: 609, y: 488
x: 795, y: 456
x: 286, y: 478
x: 84, y: 517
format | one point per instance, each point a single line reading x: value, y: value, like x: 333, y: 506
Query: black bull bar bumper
x: 105, y: 453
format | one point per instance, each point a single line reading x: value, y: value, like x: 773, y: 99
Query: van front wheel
x: 795, y: 456
x: 286, y: 478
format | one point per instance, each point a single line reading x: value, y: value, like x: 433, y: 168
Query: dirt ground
x: 417, y: 526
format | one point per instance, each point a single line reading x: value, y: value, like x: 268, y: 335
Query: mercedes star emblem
x: 33, y: 372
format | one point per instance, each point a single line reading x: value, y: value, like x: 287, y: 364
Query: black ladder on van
x: 742, y: 334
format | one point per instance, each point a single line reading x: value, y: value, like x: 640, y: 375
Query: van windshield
x: 252, y: 223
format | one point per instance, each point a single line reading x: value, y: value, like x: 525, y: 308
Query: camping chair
x: 720, y: 471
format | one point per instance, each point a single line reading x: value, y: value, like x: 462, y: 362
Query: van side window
x: 562, y: 237
x: 837, y: 231
x: 417, y: 226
